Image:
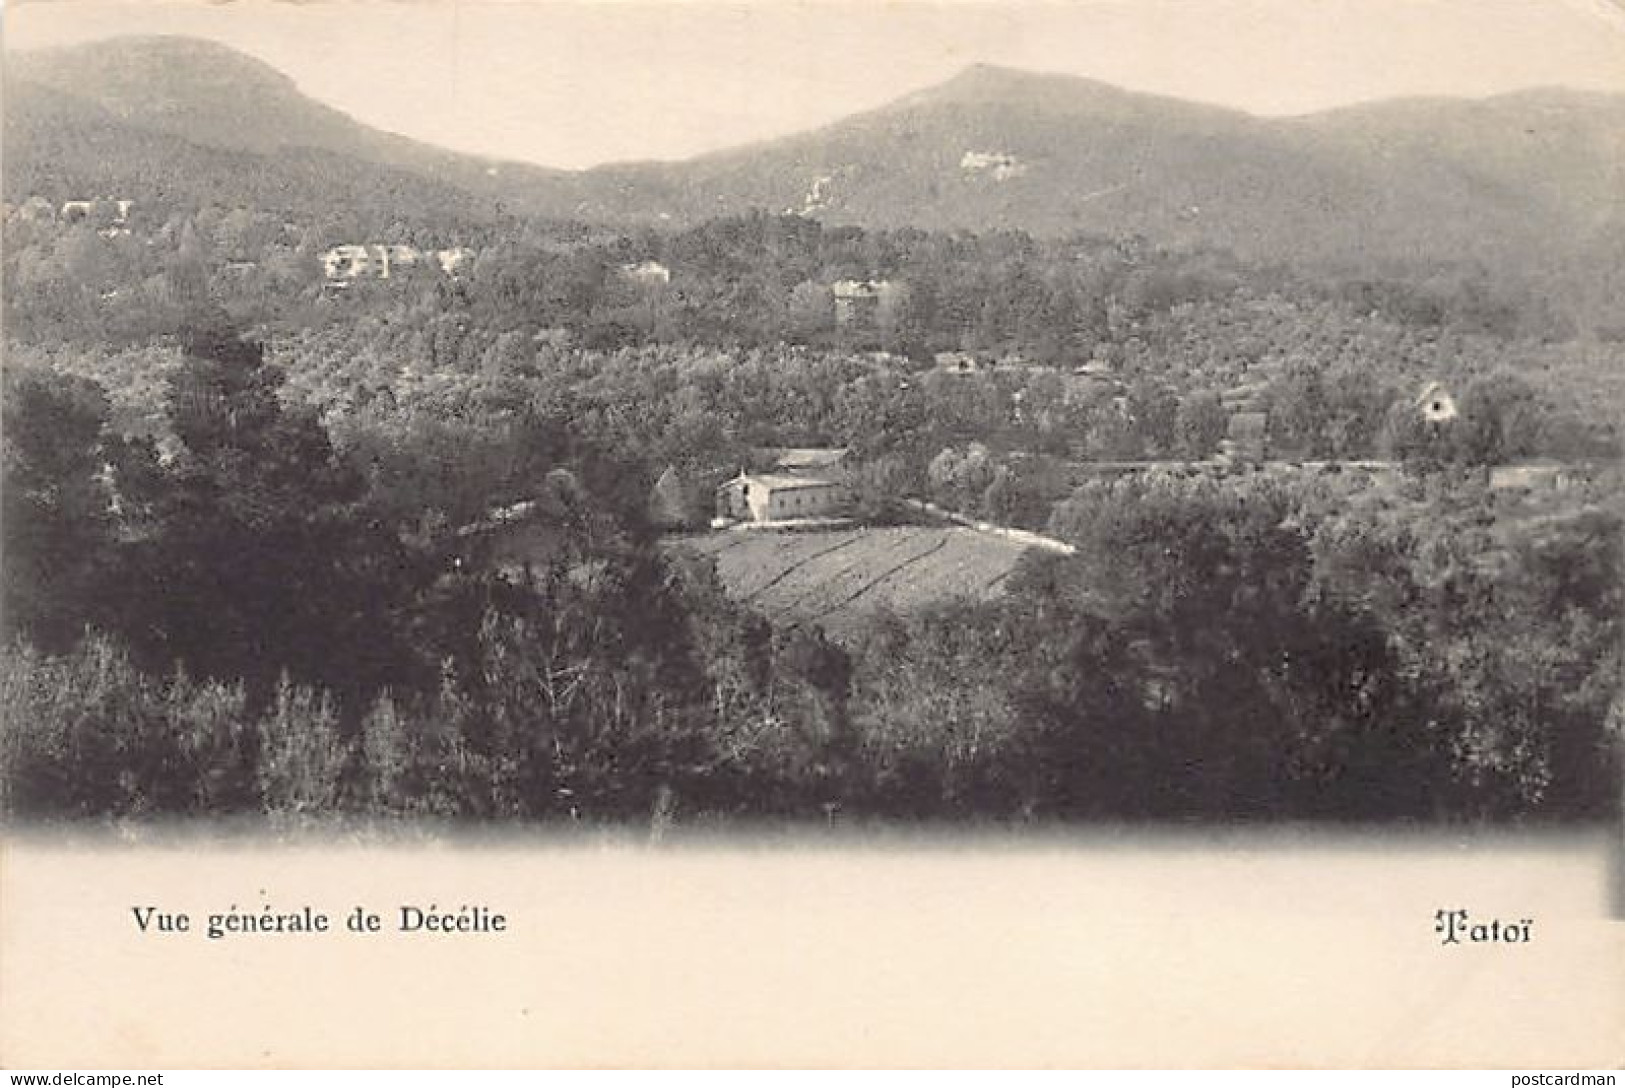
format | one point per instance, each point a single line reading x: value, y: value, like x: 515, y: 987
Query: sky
x: 573, y: 84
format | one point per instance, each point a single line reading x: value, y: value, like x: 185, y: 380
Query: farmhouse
x: 781, y: 497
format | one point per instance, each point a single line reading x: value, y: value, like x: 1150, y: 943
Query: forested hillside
x: 1520, y: 192
x: 1343, y: 541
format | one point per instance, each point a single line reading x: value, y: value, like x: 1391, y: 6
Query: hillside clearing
x: 837, y: 579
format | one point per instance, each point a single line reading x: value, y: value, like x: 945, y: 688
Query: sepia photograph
x: 1158, y: 457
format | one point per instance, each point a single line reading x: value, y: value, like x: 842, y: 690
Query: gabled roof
x: 793, y: 458
x: 774, y: 481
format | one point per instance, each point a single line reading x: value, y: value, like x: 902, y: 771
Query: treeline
x: 1162, y: 333
x: 736, y: 282
x: 1004, y: 444
x: 241, y: 625
x: 239, y: 578
x: 238, y: 623
x: 758, y: 279
x: 443, y: 443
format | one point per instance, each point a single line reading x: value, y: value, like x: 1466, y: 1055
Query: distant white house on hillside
x: 454, y: 260
x: 348, y: 262
x: 1000, y: 165
x: 816, y: 198
x: 111, y: 213
x: 354, y: 261
x: 647, y: 273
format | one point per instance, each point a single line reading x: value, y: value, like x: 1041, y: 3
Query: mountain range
x: 1528, y: 180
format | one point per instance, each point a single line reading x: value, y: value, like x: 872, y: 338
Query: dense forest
x: 238, y: 497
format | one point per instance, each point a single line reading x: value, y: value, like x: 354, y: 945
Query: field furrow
x: 836, y: 579
x: 817, y: 585
x: 869, y: 585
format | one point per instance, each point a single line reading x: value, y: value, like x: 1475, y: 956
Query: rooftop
x: 794, y: 457
x: 775, y: 481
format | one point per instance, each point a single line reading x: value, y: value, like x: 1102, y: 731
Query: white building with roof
x: 776, y: 496
x: 647, y: 273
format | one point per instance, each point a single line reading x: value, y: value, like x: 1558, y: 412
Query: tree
x: 812, y: 310
x: 1501, y: 420
x: 1245, y: 695
x: 1154, y: 409
x: 939, y: 729
x: 58, y: 522
x: 1407, y: 437
x: 1298, y: 413
x: 188, y: 270
x: 1199, y: 424
x: 259, y: 554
